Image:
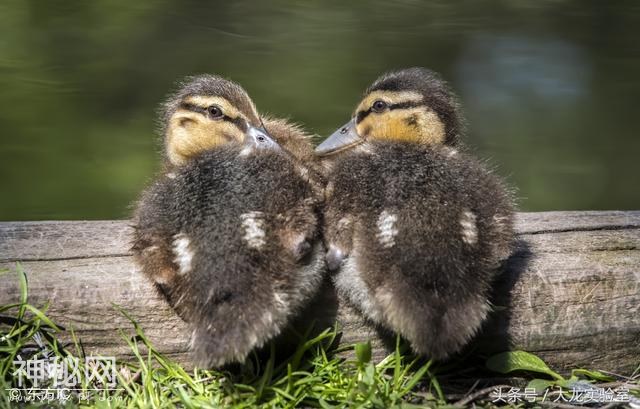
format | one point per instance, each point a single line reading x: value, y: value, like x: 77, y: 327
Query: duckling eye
x: 215, y: 111
x: 379, y: 106
x: 261, y: 138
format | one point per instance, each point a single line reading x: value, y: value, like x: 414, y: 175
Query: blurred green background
x: 551, y: 88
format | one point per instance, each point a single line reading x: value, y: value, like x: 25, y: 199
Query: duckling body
x: 229, y: 233
x: 416, y: 230
x: 422, y: 233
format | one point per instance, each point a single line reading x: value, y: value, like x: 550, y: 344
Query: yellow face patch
x: 390, y: 97
x: 416, y: 124
x: 228, y: 108
x: 190, y: 133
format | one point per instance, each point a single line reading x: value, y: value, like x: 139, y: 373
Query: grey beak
x: 343, y: 138
x: 260, y: 138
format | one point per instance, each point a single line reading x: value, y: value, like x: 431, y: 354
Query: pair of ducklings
x: 242, y: 225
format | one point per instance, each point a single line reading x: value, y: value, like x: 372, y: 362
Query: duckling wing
x: 154, y: 229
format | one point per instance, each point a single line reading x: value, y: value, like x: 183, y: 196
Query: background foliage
x: 550, y: 87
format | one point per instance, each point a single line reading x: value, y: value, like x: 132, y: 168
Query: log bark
x: 570, y: 293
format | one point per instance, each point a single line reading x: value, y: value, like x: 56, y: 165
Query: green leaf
x: 436, y: 385
x: 323, y: 403
x: 24, y: 289
x: 596, y: 375
x: 363, y: 352
x: 41, y: 316
x: 268, y: 372
x: 406, y: 405
x: 540, y: 385
x: 408, y: 386
x: 510, y: 361
x: 22, y: 277
x: 369, y: 375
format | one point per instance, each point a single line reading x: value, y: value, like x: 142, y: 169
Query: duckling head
x: 209, y: 111
x: 411, y: 105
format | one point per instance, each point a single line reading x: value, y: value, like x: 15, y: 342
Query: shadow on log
x: 570, y: 294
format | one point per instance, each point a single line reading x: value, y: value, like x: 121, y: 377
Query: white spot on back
x: 171, y: 175
x: 280, y: 300
x: 253, y: 225
x: 150, y: 249
x: 182, y: 252
x: 387, y: 229
x: 500, y: 220
x: 302, y: 171
x: 469, y: 227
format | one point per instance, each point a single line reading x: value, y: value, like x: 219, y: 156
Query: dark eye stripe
x: 362, y: 115
x: 400, y: 105
x: 193, y: 108
x: 239, y: 122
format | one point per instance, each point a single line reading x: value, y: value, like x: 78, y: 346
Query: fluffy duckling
x: 415, y: 229
x: 229, y: 232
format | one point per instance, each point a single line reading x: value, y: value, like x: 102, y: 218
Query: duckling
x: 416, y: 229
x: 229, y: 232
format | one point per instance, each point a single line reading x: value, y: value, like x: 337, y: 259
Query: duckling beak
x: 260, y: 139
x: 344, y: 138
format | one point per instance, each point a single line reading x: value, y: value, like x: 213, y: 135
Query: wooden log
x: 570, y: 294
